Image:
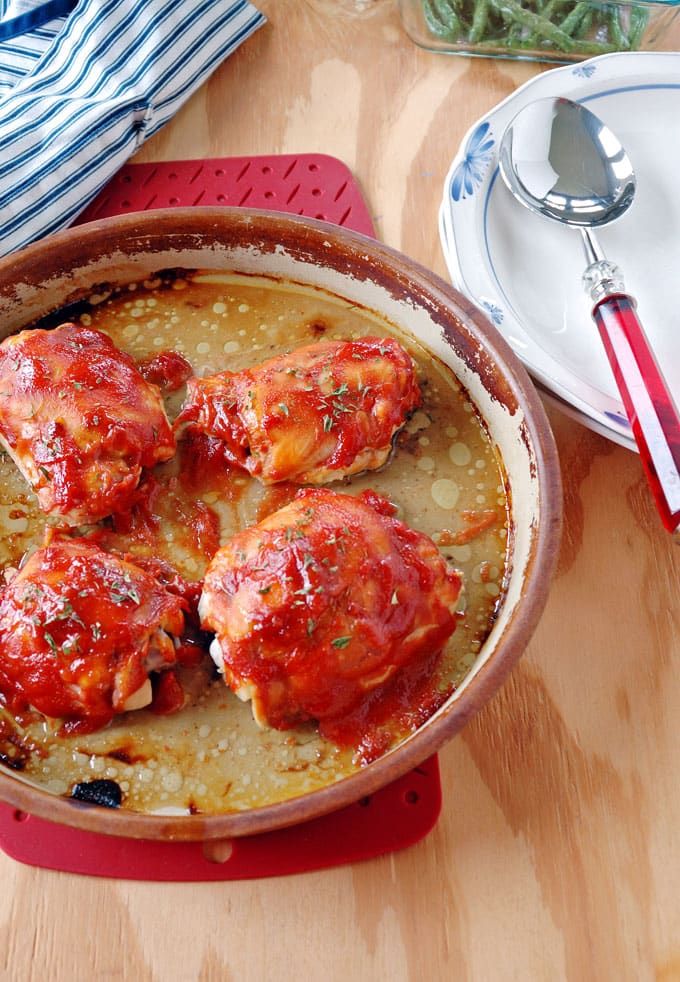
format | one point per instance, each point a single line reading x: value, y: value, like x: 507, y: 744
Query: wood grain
x: 556, y: 855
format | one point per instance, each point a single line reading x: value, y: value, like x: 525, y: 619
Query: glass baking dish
x: 559, y: 31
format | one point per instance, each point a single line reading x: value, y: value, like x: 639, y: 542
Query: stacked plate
x: 525, y: 272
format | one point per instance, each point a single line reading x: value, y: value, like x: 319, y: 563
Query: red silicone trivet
x: 393, y: 818
x: 313, y: 185
x: 316, y: 186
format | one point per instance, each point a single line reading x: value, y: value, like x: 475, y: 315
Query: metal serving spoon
x: 561, y: 161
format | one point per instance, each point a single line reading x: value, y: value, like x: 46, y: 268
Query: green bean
x: 479, y: 20
x: 447, y: 14
x: 513, y: 11
x: 572, y: 21
x: 443, y: 21
x: 616, y: 31
x: 575, y: 28
x: 547, y: 9
x: 638, y: 21
x: 434, y: 25
x: 583, y: 27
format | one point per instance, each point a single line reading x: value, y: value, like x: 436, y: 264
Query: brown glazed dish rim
x: 31, y: 270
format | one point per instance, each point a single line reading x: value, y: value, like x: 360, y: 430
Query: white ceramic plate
x: 525, y: 271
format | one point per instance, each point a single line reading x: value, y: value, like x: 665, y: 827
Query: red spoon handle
x: 647, y: 400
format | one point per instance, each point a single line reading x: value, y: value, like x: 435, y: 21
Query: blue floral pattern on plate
x: 494, y: 311
x: 587, y: 70
x: 478, y: 154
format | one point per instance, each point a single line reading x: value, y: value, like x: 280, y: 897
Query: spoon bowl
x: 562, y: 162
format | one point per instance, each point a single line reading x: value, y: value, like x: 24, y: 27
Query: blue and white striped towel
x: 83, y: 84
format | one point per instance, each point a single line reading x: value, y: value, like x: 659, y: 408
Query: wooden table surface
x: 557, y: 851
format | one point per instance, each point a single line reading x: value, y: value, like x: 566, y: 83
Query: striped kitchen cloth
x: 83, y: 84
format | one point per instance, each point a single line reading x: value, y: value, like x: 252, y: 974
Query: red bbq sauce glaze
x: 79, y: 420
x: 316, y: 414
x: 157, y: 506
x: 399, y: 707
x: 321, y: 604
x: 80, y: 629
x: 169, y: 370
x: 168, y: 694
x: 204, y: 467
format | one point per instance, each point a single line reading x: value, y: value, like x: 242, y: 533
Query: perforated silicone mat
x: 316, y: 186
